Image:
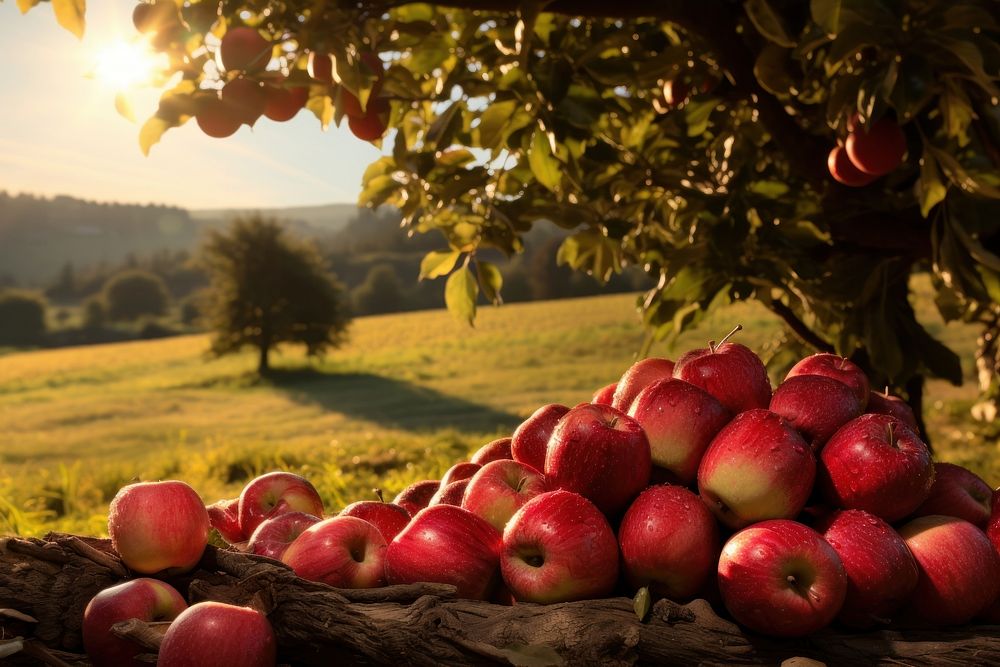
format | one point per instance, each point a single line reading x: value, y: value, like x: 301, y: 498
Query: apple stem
x: 713, y: 347
x: 378, y: 494
x: 892, y: 434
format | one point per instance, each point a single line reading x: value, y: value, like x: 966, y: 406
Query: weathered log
x: 423, y: 624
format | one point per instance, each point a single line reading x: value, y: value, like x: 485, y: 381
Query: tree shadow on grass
x: 388, y: 402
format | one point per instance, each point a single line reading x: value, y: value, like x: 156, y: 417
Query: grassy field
x: 409, y: 395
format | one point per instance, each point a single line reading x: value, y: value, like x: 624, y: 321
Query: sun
x: 121, y: 65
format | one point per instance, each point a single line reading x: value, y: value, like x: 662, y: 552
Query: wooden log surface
x: 52, y: 579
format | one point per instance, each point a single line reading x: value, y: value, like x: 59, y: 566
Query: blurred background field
x: 408, y: 396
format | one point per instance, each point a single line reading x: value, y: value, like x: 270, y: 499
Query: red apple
x: 342, y: 551
x: 844, y: 171
x: 210, y: 634
x: 273, y: 535
x: 451, y: 494
x: 416, y: 496
x: 247, y: 99
x: 816, y: 406
x: 675, y: 92
x: 148, y: 600
x: 680, y: 421
x: 500, y: 489
x: 958, y: 492
x: 244, y: 49
x: 781, y: 578
x: 758, y: 467
x: 531, y: 438
x: 894, y: 406
x: 881, y: 572
x: 321, y: 67
x: 669, y: 542
x: 836, y: 367
x: 224, y: 516
x: 730, y: 372
x: 157, y: 526
x: 496, y: 450
x: 559, y: 547
x: 283, y: 103
x: 878, y: 464
x: 459, y: 471
x: 448, y: 545
x: 959, y: 569
x: 640, y: 375
x: 600, y: 453
x: 993, y: 527
x: 275, y: 493
x: 389, y: 518
x: 605, y: 394
x: 878, y: 149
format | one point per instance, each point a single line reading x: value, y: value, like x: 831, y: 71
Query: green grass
x: 410, y: 395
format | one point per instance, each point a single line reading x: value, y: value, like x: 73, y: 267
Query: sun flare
x: 122, y: 65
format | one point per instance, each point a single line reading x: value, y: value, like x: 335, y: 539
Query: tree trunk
x: 263, y: 366
x: 423, y: 624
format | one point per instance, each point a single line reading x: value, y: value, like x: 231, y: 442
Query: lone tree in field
x: 812, y: 156
x: 267, y: 288
x: 22, y: 318
x: 132, y: 294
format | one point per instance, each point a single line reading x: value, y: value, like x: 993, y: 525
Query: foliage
x: 381, y: 292
x: 95, y: 312
x: 510, y: 115
x: 266, y: 288
x: 22, y: 318
x: 132, y: 294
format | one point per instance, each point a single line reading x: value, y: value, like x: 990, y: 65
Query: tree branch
x: 799, y: 328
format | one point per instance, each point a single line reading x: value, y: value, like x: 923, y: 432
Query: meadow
x: 407, y: 397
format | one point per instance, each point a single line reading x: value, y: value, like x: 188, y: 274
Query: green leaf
x: 543, y: 164
x: 444, y: 127
x: 533, y: 655
x: 769, y: 189
x: 438, y: 263
x: 414, y: 12
x: 592, y: 252
x: 322, y: 108
x: 460, y: 293
x: 70, y: 15
x: 493, y: 123
x: 852, y: 39
x: 772, y: 71
x: 25, y: 5
x: 378, y: 190
x: 930, y: 189
x: 123, y: 105
x: 768, y: 22
x: 151, y: 132
x: 826, y: 14
x: 957, y: 174
x: 697, y: 116
x: 641, y: 603
x: 490, y: 280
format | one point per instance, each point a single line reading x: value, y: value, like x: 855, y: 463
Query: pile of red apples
x: 791, y: 509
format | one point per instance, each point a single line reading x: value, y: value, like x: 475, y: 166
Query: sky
x: 60, y: 133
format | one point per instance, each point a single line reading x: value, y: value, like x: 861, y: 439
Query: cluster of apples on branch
x: 250, y: 89
x: 817, y: 502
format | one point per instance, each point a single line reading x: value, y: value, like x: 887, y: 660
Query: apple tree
x: 812, y: 156
x: 268, y: 288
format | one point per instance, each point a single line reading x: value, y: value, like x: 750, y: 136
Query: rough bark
x: 423, y: 624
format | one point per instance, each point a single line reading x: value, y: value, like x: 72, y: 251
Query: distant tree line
x: 166, y: 291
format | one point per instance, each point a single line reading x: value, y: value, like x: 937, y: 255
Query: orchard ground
x: 407, y: 397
